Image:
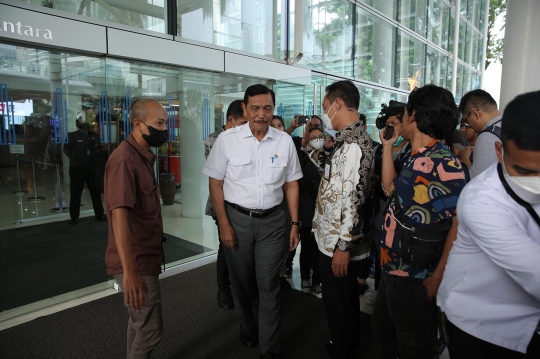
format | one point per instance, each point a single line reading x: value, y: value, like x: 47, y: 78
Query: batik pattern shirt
x: 208, y: 144
x: 343, y: 211
x: 428, y: 188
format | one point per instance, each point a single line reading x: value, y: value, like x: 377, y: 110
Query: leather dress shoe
x: 269, y: 356
x: 102, y: 218
x: 74, y: 221
x: 224, y: 299
x: 249, y: 339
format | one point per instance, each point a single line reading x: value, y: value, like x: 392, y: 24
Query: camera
x: 302, y: 120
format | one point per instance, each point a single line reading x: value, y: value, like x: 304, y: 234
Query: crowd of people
x: 451, y: 215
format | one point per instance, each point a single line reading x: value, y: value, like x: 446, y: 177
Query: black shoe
x: 329, y: 345
x: 249, y: 339
x: 73, y: 221
x: 288, y: 271
x: 284, y: 283
x: 224, y: 299
x: 269, y: 356
x: 102, y: 218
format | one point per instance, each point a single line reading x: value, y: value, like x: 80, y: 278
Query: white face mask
x: 527, y: 188
x: 327, y: 120
x: 317, y: 143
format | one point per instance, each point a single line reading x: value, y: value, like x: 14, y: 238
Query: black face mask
x: 157, y: 137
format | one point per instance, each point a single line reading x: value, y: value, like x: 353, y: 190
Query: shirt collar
x: 147, y: 154
x: 423, y: 149
x: 492, y: 121
x: 245, y: 131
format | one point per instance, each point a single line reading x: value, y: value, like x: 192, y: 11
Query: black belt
x: 254, y: 214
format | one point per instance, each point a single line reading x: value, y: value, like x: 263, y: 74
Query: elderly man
x: 135, y: 249
x: 251, y: 167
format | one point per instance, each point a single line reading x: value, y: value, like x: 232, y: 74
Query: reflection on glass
x: 247, y: 25
x: 412, y: 14
x: 438, y: 23
x: 459, y: 83
x: 376, y: 42
x: 387, y: 7
x: 328, y: 36
x: 410, y: 58
x: 143, y: 14
x: 473, y: 48
x: 436, y: 67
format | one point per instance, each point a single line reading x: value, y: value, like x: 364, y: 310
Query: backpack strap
x: 496, y: 130
x: 516, y: 198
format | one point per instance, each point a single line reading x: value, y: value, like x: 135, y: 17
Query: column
x: 520, y: 70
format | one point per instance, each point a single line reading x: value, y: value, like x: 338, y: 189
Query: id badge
x: 327, y: 168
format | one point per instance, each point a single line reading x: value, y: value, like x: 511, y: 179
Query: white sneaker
x: 306, y: 286
x: 317, y: 291
x: 371, y: 298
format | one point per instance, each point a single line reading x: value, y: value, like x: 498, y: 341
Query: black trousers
x: 309, y: 256
x: 342, y: 307
x: 403, y: 320
x: 465, y: 346
x: 77, y: 176
x: 223, y: 281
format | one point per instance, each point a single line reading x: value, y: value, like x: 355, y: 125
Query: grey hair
x: 139, y: 110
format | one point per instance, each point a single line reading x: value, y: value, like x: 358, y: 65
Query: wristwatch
x: 299, y: 224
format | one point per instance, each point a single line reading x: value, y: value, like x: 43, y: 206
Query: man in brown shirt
x: 135, y: 249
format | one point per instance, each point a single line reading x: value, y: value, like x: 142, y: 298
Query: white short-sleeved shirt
x: 491, y: 284
x: 253, y: 172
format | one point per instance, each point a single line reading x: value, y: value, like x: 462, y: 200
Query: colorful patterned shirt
x: 428, y: 189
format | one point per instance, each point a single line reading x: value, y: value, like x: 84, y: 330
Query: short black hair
x: 258, y: 89
x: 362, y: 118
x: 279, y: 118
x: 315, y: 129
x: 436, y: 113
x: 346, y: 91
x: 235, y: 109
x: 394, y: 108
x: 520, y: 122
x: 477, y: 99
x: 317, y: 117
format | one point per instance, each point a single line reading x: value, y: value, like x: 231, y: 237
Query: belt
x: 254, y: 214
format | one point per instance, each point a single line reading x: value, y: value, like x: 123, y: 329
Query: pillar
x: 520, y: 70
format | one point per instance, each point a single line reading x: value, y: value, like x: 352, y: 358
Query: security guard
x: 81, y: 150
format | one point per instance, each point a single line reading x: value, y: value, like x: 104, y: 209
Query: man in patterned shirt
x: 343, y: 215
x: 418, y: 232
x: 235, y: 117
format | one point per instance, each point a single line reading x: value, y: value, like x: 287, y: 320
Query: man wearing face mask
x: 490, y: 291
x: 135, y: 247
x: 343, y: 215
x: 235, y: 118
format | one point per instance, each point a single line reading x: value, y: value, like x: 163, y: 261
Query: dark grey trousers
x: 257, y: 255
x: 146, y: 326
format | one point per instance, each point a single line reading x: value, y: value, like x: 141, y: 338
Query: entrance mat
x: 43, y: 261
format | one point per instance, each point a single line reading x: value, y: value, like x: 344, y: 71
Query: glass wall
x: 251, y: 26
x: 410, y: 57
x: 142, y: 14
x: 413, y: 15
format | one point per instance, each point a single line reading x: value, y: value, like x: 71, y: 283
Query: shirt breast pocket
x: 150, y: 202
x: 238, y: 169
x: 275, y: 171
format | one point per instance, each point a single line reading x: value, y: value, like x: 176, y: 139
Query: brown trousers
x: 144, y: 327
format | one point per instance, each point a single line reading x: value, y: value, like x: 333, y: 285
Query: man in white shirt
x: 251, y: 167
x: 479, y: 110
x: 490, y: 291
x: 343, y: 215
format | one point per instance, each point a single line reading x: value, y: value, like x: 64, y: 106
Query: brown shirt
x: 129, y: 182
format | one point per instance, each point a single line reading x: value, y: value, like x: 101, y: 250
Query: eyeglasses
x: 464, y: 121
x: 465, y: 124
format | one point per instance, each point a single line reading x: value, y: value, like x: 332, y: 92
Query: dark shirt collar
x: 353, y: 127
x: 146, y: 154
